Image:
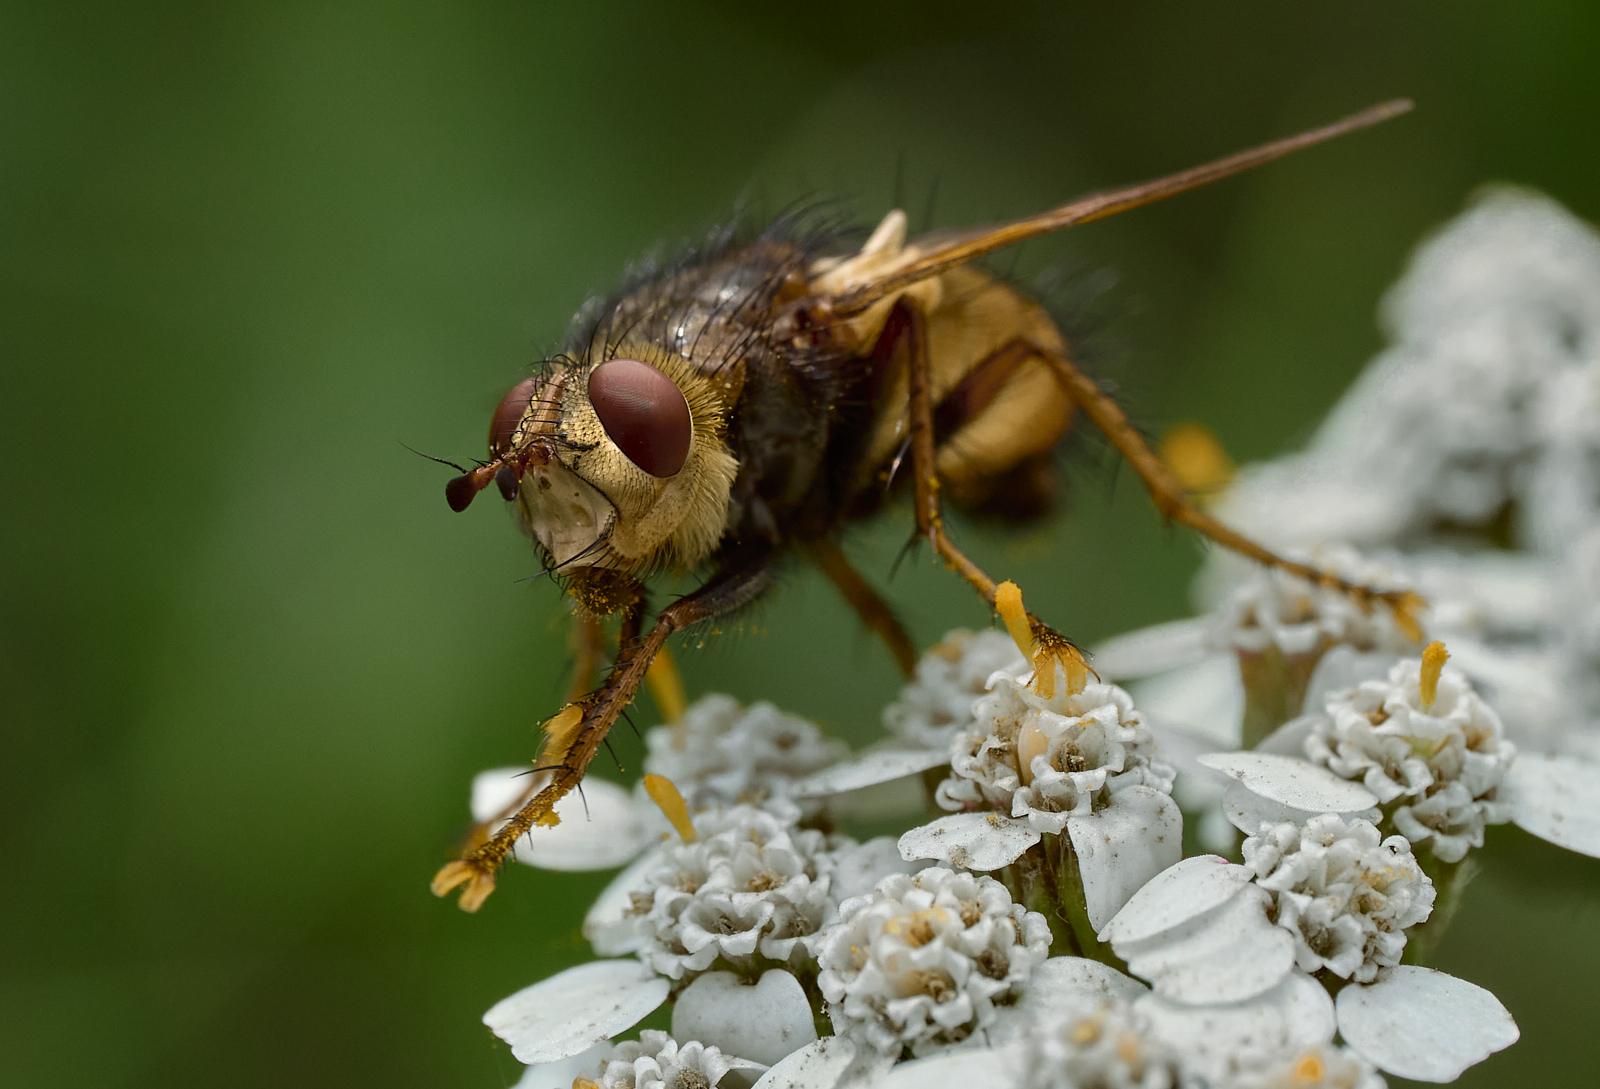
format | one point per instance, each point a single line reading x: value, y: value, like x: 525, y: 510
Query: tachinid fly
x: 755, y: 400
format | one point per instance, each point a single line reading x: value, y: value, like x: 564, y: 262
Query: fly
x: 752, y: 401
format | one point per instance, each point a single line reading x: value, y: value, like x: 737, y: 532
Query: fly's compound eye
x: 644, y: 413
x: 509, y: 414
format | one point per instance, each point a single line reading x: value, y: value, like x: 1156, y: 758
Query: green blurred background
x: 251, y: 660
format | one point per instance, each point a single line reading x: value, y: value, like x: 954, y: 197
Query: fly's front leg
x: 1170, y: 499
x: 1047, y: 648
x: 587, y: 641
x: 575, y: 734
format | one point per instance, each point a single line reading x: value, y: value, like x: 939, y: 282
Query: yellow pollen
x: 1309, y: 1070
x: 665, y: 795
x: 1433, y: 657
x: 1008, y: 603
x: 559, y: 733
x: 666, y: 688
x: 1197, y: 459
x: 581, y: 1082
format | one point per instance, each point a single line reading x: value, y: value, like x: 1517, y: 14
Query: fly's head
x: 617, y: 462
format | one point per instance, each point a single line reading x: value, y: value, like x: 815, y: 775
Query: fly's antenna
x: 441, y: 461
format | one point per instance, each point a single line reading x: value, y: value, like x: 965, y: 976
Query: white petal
x: 1341, y: 667
x: 1230, y: 954
x: 1292, y: 782
x: 1060, y: 984
x: 1123, y: 846
x: 600, y: 829
x: 1290, y: 738
x: 1424, y: 1025
x: 1196, y: 786
x: 606, y: 925
x: 764, y: 1023
x: 868, y: 770
x: 1174, y: 896
x: 1557, y: 798
x: 815, y: 1066
x: 573, y: 1010
x: 972, y: 841
x: 1248, y: 811
x: 981, y: 1068
x: 561, y: 1074
x: 498, y: 789
x: 1155, y: 649
x: 857, y: 870
x: 1207, y: 697
x: 1295, y: 1014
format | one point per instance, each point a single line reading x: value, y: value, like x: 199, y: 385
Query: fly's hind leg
x: 577, y: 731
x: 1048, y: 650
x: 875, y: 613
x: 1170, y: 499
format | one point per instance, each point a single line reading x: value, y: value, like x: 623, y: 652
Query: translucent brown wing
x: 946, y: 250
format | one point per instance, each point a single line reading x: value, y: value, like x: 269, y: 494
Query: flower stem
x: 1073, y: 904
x: 1031, y: 887
x: 1449, y: 881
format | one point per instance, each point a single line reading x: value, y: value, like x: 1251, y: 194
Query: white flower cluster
x: 656, y: 1061
x: 937, y: 704
x: 1050, y: 759
x: 1345, y: 894
x: 1097, y: 1042
x: 720, y: 753
x: 751, y: 884
x: 1443, y: 762
x: 1480, y: 424
x: 925, y: 958
x: 1272, y: 609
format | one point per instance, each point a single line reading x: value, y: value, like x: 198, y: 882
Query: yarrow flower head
x: 925, y: 959
x: 656, y: 1061
x: 750, y: 885
x: 1100, y: 1042
x: 720, y: 753
x: 1440, y: 753
x: 1275, y: 610
x: 1050, y: 759
x: 1346, y: 895
x: 950, y: 677
x: 1325, y: 1067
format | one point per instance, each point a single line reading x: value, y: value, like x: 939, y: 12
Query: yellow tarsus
x: 1040, y: 645
x: 479, y: 882
x: 1433, y: 656
x: 665, y: 795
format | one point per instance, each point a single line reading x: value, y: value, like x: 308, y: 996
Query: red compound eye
x: 509, y: 414
x: 644, y: 413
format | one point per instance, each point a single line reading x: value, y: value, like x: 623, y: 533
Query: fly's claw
x: 1043, y: 646
x: 1051, y: 650
x: 482, y: 858
x: 478, y: 879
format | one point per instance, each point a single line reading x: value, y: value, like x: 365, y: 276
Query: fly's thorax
x: 637, y: 479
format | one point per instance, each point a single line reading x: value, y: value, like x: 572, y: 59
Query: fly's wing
x: 933, y: 254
